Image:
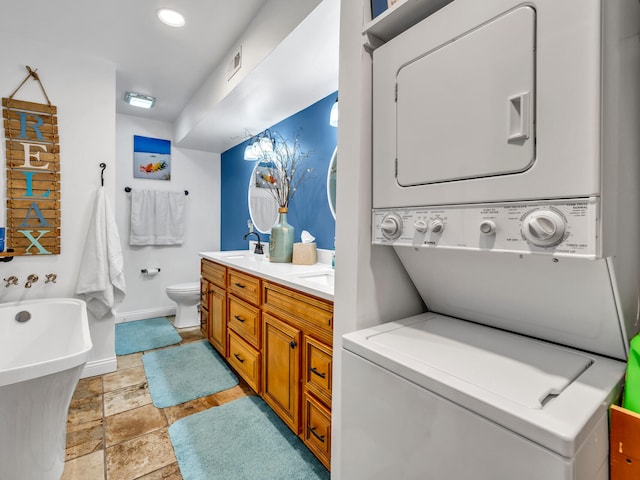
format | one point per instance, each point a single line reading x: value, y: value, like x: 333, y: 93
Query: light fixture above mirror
x: 259, y: 146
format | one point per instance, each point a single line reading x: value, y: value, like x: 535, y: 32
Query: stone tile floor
x: 114, y: 432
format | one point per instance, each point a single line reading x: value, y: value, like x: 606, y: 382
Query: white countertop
x: 316, y: 279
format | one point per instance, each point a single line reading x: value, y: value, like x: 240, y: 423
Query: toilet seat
x: 188, y: 287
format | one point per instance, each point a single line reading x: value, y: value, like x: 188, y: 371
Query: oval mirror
x: 263, y: 207
x: 332, y: 173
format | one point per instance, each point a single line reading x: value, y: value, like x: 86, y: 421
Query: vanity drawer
x: 215, y: 273
x: 296, y: 306
x: 245, y: 360
x: 244, y: 319
x: 317, y: 429
x: 244, y: 286
x: 317, y: 368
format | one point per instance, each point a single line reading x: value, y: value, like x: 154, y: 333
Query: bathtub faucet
x: 258, y: 249
x: 33, y: 278
x: 12, y: 280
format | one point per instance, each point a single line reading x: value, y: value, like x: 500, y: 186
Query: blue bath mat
x: 144, y: 335
x: 179, y: 374
x: 241, y: 440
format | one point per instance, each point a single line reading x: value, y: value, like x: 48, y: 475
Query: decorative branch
x: 284, y: 163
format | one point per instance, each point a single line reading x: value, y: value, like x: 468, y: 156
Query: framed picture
x: 266, y: 176
x: 151, y: 158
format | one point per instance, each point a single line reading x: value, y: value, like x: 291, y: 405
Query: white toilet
x: 187, y: 296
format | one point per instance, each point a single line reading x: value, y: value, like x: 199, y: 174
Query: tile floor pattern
x: 114, y: 432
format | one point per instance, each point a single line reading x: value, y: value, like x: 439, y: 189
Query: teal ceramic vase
x: 281, y: 241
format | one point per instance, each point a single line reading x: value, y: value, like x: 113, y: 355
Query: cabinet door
x: 281, y: 370
x: 217, y: 318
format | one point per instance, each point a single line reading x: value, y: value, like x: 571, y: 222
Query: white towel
x: 101, y: 278
x: 157, y: 218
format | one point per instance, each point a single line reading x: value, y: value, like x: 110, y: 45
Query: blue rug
x: 144, y: 335
x: 241, y: 440
x: 179, y: 374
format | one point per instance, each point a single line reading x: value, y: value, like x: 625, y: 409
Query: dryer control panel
x: 559, y: 228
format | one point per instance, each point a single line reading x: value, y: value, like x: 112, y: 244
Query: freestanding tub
x: 40, y: 363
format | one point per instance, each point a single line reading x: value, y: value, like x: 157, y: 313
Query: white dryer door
x: 466, y: 109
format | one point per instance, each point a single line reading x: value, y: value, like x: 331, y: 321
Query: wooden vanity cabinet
x: 279, y: 340
x: 204, y: 307
x: 297, y: 363
x: 217, y: 318
x: 281, y: 370
x: 213, y: 304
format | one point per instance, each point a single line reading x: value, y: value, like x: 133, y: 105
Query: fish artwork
x: 153, y: 167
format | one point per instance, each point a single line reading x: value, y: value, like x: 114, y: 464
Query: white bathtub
x: 40, y: 364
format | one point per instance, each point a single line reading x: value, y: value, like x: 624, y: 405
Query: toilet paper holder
x: 150, y: 271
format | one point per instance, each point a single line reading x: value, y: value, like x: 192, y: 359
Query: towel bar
x: 128, y: 189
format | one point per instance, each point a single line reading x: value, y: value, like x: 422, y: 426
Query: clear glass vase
x: 281, y: 241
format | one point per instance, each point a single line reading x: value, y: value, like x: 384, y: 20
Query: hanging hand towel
x: 157, y: 218
x: 169, y: 218
x: 101, y: 279
x: 143, y: 206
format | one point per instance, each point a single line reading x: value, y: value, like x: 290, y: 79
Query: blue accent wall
x: 309, y: 209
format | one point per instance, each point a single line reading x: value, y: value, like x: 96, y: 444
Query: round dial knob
x: 391, y: 226
x: 543, y: 228
x: 420, y: 226
x: 436, y: 226
x: 488, y: 227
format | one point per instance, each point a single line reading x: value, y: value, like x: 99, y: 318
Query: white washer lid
x: 185, y: 287
x: 511, y: 366
x: 550, y: 394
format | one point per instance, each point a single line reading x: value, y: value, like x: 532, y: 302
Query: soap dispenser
x: 333, y: 254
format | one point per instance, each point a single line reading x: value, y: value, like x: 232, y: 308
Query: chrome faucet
x: 12, y: 280
x: 258, y: 249
x: 33, y: 278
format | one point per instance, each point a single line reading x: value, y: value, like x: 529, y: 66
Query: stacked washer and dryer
x: 506, y: 176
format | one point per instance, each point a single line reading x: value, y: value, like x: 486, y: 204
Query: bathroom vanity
x: 273, y: 323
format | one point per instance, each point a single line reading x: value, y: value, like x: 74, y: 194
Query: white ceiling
x: 150, y: 57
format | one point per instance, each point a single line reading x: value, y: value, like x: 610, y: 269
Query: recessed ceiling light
x: 139, y: 100
x: 170, y: 17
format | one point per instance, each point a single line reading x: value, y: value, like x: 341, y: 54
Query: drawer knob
x: 239, y: 285
x: 293, y: 344
x: 313, y: 432
x: 320, y: 374
x: 239, y: 318
x: 241, y: 360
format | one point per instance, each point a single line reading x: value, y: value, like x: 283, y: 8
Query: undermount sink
x: 322, y: 278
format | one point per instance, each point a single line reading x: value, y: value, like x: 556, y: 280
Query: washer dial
x: 391, y: 226
x: 543, y: 228
x: 488, y: 227
x: 436, y: 226
x: 421, y: 226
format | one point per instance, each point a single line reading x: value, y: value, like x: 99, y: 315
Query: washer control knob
x: 543, y: 228
x: 488, y: 227
x: 420, y: 226
x: 391, y: 226
x: 437, y: 226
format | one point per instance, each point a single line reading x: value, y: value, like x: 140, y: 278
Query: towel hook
x: 102, y: 166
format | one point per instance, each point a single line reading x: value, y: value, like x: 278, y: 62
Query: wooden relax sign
x: 33, y: 177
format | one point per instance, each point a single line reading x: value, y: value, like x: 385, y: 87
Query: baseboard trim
x: 99, y: 367
x: 144, y: 314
